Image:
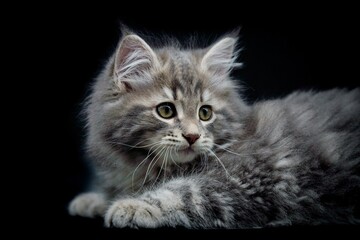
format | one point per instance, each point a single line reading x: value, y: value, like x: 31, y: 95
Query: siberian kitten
x: 173, y: 144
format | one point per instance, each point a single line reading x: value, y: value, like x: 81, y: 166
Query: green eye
x: 205, y: 113
x: 166, y: 110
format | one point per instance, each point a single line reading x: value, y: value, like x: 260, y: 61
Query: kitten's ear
x: 134, y: 61
x: 220, y: 58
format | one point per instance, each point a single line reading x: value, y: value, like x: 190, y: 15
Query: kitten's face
x: 179, y: 112
x: 186, y: 117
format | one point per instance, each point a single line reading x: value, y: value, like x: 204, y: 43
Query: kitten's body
x: 287, y: 161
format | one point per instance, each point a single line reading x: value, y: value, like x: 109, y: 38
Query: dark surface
x: 284, y: 50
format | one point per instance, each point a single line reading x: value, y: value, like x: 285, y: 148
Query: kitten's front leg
x: 162, y: 207
x: 180, y: 202
x: 134, y: 213
x: 90, y: 204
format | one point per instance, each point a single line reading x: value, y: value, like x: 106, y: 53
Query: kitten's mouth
x: 187, y: 150
x: 185, y: 154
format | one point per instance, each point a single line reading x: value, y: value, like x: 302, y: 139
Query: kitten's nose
x: 191, y: 138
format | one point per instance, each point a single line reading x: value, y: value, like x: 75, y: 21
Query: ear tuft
x: 220, y: 58
x: 134, y: 60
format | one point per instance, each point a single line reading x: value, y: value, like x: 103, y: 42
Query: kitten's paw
x: 88, y: 205
x: 133, y: 213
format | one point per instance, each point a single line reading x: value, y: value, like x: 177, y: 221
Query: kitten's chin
x: 185, y: 155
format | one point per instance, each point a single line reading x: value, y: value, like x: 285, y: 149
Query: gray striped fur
x: 294, y: 160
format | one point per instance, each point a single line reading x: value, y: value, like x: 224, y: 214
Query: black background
x: 285, y: 48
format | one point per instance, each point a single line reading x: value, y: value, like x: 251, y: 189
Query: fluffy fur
x: 287, y: 161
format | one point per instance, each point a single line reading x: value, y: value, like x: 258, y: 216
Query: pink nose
x: 191, y: 138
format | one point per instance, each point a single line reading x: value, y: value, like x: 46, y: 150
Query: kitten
x: 173, y: 144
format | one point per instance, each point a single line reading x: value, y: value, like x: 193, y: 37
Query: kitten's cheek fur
x: 133, y: 213
x: 88, y: 205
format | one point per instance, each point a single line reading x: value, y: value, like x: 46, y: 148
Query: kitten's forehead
x: 184, y: 82
x: 184, y: 77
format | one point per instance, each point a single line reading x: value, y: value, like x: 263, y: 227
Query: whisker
x: 150, y: 152
x: 229, y: 151
x: 134, y: 146
x: 147, y: 171
x: 151, y: 165
x: 172, y: 159
x: 166, y: 160
x: 204, y: 160
x: 221, y: 163
x: 161, y: 167
x: 282, y: 144
x: 161, y: 152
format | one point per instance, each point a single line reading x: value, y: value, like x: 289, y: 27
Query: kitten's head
x: 168, y: 102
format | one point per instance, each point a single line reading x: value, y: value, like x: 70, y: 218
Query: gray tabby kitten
x: 173, y: 144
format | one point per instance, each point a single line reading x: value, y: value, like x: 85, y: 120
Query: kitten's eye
x: 205, y: 113
x: 166, y: 110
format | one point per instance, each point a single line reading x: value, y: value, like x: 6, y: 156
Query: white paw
x: 88, y: 205
x: 133, y: 213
